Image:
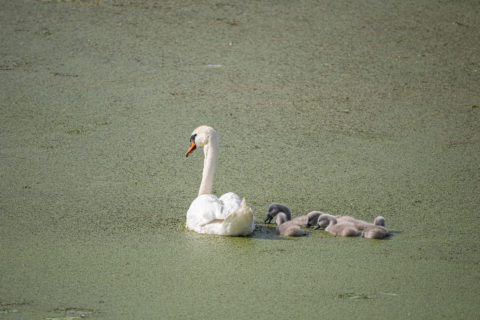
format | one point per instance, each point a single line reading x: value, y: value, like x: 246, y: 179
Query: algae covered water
x: 364, y: 109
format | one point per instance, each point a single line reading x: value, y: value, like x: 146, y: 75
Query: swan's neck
x: 209, y: 165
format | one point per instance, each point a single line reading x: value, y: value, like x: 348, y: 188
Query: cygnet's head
x: 313, y: 218
x: 379, y: 221
x: 324, y: 220
x: 274, y: 209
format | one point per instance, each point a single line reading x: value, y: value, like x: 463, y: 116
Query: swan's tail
x: 240, y: 222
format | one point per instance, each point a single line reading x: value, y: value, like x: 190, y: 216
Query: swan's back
x: 225, y: 216
x: 230, y: 201
x: 203, y: 210
x: 240, y: 222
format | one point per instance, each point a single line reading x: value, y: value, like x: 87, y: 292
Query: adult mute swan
x: 227, y: 215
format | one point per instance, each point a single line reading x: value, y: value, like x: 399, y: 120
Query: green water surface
x: 362, y: 108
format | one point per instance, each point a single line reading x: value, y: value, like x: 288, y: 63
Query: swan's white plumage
x: 227, y: 215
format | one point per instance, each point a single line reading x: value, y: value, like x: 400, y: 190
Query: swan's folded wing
x: 231, y: 202
x: 205, y: 215
x: 241, y: 221
x: 203, y: 210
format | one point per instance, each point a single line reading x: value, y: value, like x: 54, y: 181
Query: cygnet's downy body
x: 375, y: 232
x: 288, y: 228
x: 308, y: 220
x: 361, y: 224
x: 274, y: 209
x: 331, y: 225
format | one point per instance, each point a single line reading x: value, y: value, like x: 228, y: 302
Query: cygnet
x: 274, y: 209
x: 360, y: 224
x: 308, y: 220
x: 375, y: 232
x: 379, y: 221
x: 288, y: 228
x: 330, y: 224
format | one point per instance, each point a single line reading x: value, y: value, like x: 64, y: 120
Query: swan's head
x: 324, y: 220
x: 274, y: 209
x: 200, y: 137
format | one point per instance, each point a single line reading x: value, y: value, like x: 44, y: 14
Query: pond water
x: 364, y: 109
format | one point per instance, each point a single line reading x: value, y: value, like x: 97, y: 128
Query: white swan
x: 227, y: 215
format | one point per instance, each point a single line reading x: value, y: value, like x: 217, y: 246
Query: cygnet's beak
x: 268, y: 219
x: 316, y: 227
x: 192, y: 147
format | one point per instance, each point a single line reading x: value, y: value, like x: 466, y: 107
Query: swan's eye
x: 192, y: 138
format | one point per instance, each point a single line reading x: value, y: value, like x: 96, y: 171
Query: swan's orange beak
x: 192, y: 147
